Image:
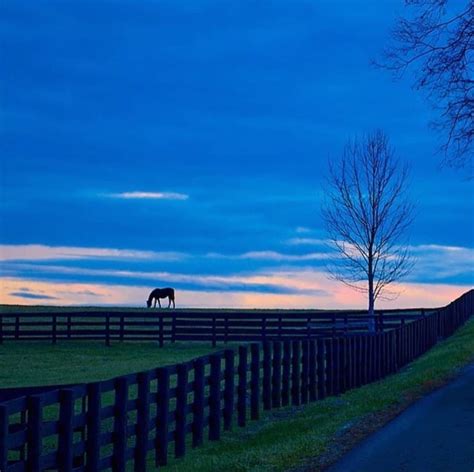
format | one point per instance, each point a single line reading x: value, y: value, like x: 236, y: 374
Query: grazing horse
x: 161, y: 293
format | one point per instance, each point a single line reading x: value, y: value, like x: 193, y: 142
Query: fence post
x: 383, y: 350
x: 337, y: 369
x: 215, y: 398
x: 255, y: 382
x: 305, y: 371
x: 35, y: 433
x: 357, y: 366
x: 285, y: 390
x: 181, y: 409
x: 296, y: 375
x: 329, y: 366
x: 4, y: 434
x: 65, y: 436
x: 369, y: 357
x: 107, y: 329
x: 264, y: 333
x: 198, y: 416
x: 242, y: 387
x: 350, y: 363
x: 69, y: 326
x: 120, y: 424
x: 313, y: 392
x: 378, y: 356
x: 162, y: 416
x: 276, y: 378
x: 161, y: 327
x: 226, y: 328
x: 214, y: 334
x: 143, y: 420
x: 342, y: 374
x: 93, y: 426
x: 173, y: 327
x: 267, y: 379
x: 229, y: 387
x: 1, y: 334
x: 54, y: 327
x: 345, y: 370
x: 376, y: 353
x: 321, y: 368
x: 122, y: 327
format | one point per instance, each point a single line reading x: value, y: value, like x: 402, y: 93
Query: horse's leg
x: 155, y: 304
x: 169, y: 302
x: 159, y: 303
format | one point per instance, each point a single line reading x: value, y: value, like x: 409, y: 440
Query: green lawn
x: 293, y: 438
x: 41, y: 363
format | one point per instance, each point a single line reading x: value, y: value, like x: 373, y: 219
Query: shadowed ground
x: 435, y: 434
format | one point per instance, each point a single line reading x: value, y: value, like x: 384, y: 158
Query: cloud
x: 150, y: 195
x: 307, y: 242
x: 33, y: 296
x: 265, y: 281
x: 437, y: 262
x: 272, y: 256
x: 31, y: 252
x: 303, y: 229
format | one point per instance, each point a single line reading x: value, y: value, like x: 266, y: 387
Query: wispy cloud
x: 303, y: 229
x: 32, y: 296
x: 307, y: 242
x: 281, y: 281
x: 31, y: 252
x: 150, y: 195
x: 437, y: 262
x: 273, y: 256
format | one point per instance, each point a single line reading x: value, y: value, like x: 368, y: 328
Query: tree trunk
x: 371, y: 311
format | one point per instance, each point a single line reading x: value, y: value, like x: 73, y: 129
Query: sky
x: 185, y: 144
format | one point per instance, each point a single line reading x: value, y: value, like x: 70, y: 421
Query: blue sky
x: 185, y: 143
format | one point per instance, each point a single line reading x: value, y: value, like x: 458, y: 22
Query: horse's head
x: 148, y: 303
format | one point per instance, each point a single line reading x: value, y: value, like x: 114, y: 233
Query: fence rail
x: 143, y: 419
x: 181, y: 325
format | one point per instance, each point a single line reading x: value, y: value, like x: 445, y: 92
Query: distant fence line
x: 145, y: 418
x: 187, y: 325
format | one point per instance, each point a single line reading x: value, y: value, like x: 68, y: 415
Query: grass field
x: 41, y: 363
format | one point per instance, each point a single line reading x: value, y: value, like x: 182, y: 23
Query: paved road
x: 436, y: 434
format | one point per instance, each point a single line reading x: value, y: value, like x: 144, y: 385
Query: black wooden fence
x: 143, y: 419
x: 188, y: 325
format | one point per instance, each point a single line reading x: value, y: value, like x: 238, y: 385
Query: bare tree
x: 437, y: 37
x: 367, y: 215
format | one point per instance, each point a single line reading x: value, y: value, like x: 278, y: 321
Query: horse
x: 161, y: 293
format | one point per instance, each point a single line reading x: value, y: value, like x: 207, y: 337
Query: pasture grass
x: 309, y: 437
x: 42, y: 363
